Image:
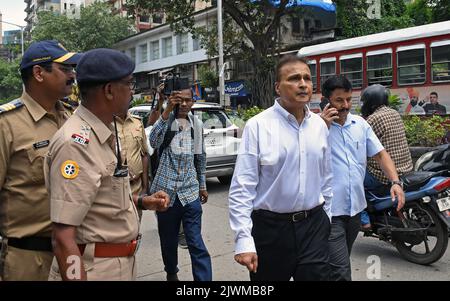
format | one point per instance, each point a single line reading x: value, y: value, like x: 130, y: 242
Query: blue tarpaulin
x: 323, y: 4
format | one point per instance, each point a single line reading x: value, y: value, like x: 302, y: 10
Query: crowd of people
x: 73, y: 183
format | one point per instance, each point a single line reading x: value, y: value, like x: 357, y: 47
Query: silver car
x: 222, y: 138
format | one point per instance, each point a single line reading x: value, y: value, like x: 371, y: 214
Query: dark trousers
x: 291, y: 249
x: 344, y: 230
x: 168, y: 228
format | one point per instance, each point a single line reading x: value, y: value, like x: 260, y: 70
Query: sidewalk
x: 218, y: 238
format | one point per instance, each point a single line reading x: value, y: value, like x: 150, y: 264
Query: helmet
x: 372, y: 98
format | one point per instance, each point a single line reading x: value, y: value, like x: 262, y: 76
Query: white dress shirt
x: 282, y: 167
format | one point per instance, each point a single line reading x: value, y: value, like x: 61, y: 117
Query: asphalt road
x: 219, y: 240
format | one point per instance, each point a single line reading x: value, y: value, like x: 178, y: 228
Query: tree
x: 97, y: 27
x: 257, y: 21
x: 10, y: 81
x: 354, y: 22
x: 440, y: 10
x: 420, y: 12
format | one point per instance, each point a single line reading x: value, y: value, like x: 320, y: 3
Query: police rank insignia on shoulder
x: 80, y: 139
x: 70, y: 169
x: 12, y: 105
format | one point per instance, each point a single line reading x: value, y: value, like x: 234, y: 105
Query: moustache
x: 343, y: 110
x: 70, y: 82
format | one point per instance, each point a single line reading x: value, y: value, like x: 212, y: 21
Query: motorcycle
x: 436, y: 160
x: 420, y: 230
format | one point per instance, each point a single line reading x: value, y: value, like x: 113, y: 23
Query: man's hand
x: 158, y: 201
x: 397, y: 193
x: 203, y: 196
x: 174, y: 99
x: 250, y: 260
x: 329, y: 114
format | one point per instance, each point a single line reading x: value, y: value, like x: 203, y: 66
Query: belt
x: 103, y: 249
x: 292, y: 216
x: 33, y: 243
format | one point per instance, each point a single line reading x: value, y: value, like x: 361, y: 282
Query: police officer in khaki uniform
x: 134, y: 152
x: 95, y: 221
x: 26, y: 126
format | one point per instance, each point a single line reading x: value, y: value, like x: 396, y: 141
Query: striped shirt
x: 388, y: 126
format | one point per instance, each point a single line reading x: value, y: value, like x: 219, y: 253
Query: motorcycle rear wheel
x: 437, y: 230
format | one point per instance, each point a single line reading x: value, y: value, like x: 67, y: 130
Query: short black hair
x: 85, y: 87
x: 335, y: 82
x: 288, y: 59
x: 27, y: 73
x: 434, y: 93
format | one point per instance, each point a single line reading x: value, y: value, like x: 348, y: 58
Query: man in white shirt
x: 280, y: 195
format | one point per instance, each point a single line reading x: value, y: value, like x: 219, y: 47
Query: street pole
x: 221, y: 66
x: 21, y: 31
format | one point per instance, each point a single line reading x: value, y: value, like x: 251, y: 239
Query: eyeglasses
x: 130, y: 83
x: 66, y: 68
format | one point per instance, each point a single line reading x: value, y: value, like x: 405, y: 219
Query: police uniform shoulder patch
x: 10, y: 106
x: 70, y: 169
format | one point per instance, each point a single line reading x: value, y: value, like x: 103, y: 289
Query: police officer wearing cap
x: 95, y: 220
x: 26, y: 126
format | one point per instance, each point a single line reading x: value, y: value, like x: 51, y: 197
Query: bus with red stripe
x: 412, y: 62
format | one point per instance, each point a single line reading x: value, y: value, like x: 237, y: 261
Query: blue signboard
x: 236, y: 88
x: 323, y: 4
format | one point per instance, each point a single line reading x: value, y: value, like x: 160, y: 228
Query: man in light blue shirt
x: 352, y: 140
x: 280, y: 195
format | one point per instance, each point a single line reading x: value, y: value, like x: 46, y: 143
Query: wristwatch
x: 397, y: 182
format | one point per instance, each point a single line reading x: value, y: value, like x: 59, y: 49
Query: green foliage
x: 394, y: 101
x: 208, y: 77
x: 440, y: 10
x: 419, y: 11
x: 427, y: 131
x: 10, y: 81
x: 246, y: 114
x: 97, y: 27
x: 138, y: 101
x: 353, y: 21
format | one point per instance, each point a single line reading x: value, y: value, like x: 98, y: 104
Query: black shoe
x: 172, y: 277
x: 182, y: 241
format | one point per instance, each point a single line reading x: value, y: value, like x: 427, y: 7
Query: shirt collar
x: 102, y: 131
x: 35, y: 109
x: 283, y: 112
x: 349, y: 121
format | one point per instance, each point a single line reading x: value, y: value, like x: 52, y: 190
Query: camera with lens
x: 175, y: 83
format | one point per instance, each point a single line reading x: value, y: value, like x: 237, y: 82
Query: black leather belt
x: 33, y: 243
x: 292, y: 216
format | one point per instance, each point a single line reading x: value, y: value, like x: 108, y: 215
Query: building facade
x: 159, y: 51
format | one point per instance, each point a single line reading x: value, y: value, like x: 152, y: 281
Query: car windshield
x: 213, y: 119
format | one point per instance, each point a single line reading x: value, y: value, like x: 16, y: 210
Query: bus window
x: 379, y: 67
x: 411, y: 64
x: 440, y: 61
x: 351, y: 67
x: 327, y: 68
x: 312, y: 66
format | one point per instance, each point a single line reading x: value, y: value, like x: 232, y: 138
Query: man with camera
x: 178, y: 136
